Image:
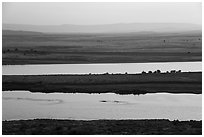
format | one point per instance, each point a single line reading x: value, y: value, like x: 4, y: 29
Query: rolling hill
x: 108, y: 28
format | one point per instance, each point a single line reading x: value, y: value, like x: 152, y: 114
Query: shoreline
x: 10, y: 63
x: 115, y: 63
x: 101, y: 127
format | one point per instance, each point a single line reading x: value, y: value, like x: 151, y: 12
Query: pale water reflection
x: 99, y: 68
x: 26, y: 105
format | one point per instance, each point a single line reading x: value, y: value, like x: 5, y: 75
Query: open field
x: 101, y: 127
x: 185, y: 82
x: 101, y: 48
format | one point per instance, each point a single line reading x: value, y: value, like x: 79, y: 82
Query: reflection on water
x: 115, y: 101
x: 26, y: 105
x: 99, y: 68
x: 55, y: 101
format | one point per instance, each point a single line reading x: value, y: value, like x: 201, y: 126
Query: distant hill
x: 13, y: 32
x: 109, y: 28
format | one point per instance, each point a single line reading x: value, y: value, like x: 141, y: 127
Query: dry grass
x: 101, y: 127
x: 112, y: 48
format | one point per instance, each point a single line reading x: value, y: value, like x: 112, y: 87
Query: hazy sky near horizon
x: 57, y: 13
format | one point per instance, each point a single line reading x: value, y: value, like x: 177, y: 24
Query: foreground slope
x: 101, y: 127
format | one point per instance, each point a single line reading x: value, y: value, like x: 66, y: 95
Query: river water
x: 99, y: 68
x: 27, y: 105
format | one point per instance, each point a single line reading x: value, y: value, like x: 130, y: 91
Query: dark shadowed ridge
x: 109, y: 28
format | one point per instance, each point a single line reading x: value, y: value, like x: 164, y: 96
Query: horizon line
x: 119, y: 23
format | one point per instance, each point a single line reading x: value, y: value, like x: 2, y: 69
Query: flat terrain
x: 101, y: 127
x: 185, y: 82
x: 39, y: 48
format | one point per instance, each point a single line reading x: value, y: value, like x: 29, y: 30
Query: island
x: 151, y: 82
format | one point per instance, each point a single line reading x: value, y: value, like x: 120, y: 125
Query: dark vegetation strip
x: 101, y: 127
x: 116, y: 83
x: 183, y: 82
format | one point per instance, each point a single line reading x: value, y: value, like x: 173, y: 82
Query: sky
x: 58, y: 13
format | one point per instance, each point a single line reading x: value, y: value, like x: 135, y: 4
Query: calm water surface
x: 98, y: 68
x: 26, y: 105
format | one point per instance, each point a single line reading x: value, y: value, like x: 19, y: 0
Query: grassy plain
x: 101, y: 48
x: 185, y: 82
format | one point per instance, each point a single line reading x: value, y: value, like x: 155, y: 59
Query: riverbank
x: 185, y: 82
x: 101, y: 127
